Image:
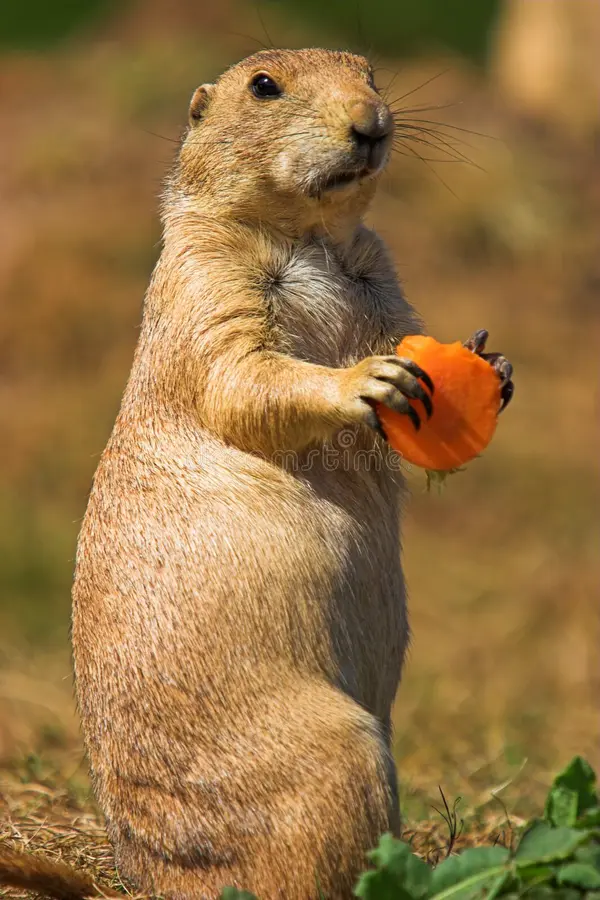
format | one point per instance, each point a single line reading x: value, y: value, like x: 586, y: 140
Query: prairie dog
x: 239, y: 612
x: 239, y: 617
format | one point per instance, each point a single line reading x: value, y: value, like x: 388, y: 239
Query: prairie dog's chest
x: 333, y: 309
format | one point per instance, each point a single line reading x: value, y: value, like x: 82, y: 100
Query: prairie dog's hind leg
x: 312, y: 788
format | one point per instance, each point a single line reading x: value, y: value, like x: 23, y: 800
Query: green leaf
x: 589, y: 854
x: 502, y: 883
x: 561, y: 806
x: 590, y: 818
x: 580, y: 875
x: 546, y: 892
x: 398, y: 874
x: 536, y: 874
x: 572, y: 793
x: 231, y: 893
x: 543, y: 843
x: 467, y: 874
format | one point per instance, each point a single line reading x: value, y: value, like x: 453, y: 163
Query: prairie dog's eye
x: 264, y: 88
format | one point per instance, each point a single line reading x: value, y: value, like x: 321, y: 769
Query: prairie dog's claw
x: 477, y: 341
x: 414, y: 417
x: 418, y: 372
x: 506, y: 394
x: 499, y: 363
x: 374, y: 422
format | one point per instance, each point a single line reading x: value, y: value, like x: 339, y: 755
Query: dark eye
x: 263, y: 87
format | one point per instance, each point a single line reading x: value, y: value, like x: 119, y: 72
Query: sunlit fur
x: 239, y: 622
x: 264, y: 161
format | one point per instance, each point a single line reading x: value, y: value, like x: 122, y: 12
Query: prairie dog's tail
x: 44, y: 876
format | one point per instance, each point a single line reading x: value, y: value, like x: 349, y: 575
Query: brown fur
x: 34, y: 873
x: 239, y: 620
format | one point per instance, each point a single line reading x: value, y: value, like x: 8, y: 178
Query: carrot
x: 466, y: 403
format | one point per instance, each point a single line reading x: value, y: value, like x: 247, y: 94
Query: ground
x: 51, y: 817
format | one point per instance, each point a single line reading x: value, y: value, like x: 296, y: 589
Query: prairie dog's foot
x: 502, y: 366
x: 390, y: 380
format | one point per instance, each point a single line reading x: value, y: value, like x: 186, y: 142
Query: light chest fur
x: 332, y: 308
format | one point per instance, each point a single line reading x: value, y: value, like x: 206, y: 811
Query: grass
x: 45, y: 811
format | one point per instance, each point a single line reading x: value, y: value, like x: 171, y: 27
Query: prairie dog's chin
x: 346, y: 174
x: 342, y: 179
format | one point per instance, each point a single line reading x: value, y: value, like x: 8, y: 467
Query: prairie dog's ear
x: 199, y: 102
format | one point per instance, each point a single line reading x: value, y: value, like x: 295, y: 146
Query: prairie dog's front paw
x: 390, y: 380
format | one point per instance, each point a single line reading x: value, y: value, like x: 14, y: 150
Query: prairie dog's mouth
x: 367, y: 160
x: 336, y: 181
x: 340, y: 179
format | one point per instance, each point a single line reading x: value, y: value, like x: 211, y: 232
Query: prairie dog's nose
x: 370, y: 122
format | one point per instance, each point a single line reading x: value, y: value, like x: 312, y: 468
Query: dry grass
x: 502, y: 682
x: 36, y: 819
x: 47, y: 818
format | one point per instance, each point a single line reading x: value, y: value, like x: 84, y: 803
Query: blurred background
x: 493, y: 216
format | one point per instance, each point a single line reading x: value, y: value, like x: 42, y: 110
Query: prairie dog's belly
x: 316, y: 567
x: 258, y: 565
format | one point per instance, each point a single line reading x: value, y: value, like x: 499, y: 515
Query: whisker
x: 419, y: 109
x: 412, y: 125
x: 385, y: 69
x: 445, y: 158
x: 248, y: 37
x: 441, y: 143
x: 482, y: 134
x: 429, y: 166
x: 453, y: 140
x: 361, y: 34
x: 430, y: 159
x: 420, y: 86
x: 264, y: 27
x: 163, y: 137
x: 390, y: 84
x: 450, y: 140
x: 420, y: 139
x: 448, y: 155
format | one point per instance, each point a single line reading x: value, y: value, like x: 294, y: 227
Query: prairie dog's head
x: 288, y: 134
